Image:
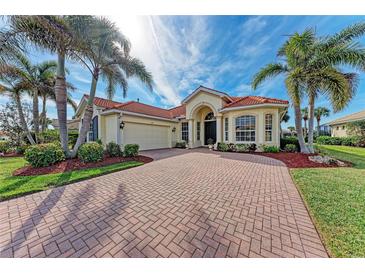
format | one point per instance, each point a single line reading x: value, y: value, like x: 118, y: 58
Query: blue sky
x: 221, y: 52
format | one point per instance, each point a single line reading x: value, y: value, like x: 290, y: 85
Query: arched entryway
x: 210, y: 129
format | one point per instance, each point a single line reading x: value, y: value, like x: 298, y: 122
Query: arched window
x: 246, y: 128
x: 209, y: 116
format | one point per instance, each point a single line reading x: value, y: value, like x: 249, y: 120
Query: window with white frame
x: 226, y: 129
x: 268, y: 127
x: 198, y: 131
x: 185, y: 131
x: 246, y: 128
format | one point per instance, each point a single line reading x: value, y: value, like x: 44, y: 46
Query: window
x: 226, y: 129
x: 209, y: 116
x: 343, y: 127
x: 337, y: 128
x: 185, y: 131
x: 268, y: 127
x: 198, y: 131
x: 246, y: 128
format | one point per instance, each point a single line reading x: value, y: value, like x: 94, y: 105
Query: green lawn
x: 13, y: 186
x: 335, y: 198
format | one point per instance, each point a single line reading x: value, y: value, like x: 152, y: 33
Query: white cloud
x: 254, y: 24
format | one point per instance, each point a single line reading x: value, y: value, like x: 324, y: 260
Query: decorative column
x: 219, y: 128
x: 191, y: 127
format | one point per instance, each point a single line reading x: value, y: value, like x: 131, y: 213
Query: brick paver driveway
x: 192, y: 203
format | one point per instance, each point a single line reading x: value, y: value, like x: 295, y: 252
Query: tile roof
x: 178, y: 111
x: 253, y: 100
x: 349, y: 118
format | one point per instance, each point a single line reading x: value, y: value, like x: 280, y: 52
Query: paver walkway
x: 192, y: 203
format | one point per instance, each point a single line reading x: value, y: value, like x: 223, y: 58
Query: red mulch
x: 76, y: 164
x: 295, y: 160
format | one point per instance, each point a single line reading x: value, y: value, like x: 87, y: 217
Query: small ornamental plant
x: 91, y: 152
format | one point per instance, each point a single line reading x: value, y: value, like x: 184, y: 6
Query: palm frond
x: 346, y: 35
x: 267, y: 72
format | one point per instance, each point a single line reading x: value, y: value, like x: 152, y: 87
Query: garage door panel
x: 147, y: 136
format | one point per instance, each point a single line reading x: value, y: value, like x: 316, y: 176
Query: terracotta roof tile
x: 105, y: 103
x: 254, y: 100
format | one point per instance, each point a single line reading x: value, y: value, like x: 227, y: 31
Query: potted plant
x: 210, y: 142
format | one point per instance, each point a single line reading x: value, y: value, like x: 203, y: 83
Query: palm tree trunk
x: 298, y: 127
x: 44, y: 113
x: 35, y: 114
x: 23, y: 123
x: 318, y: 126
x: 87, y: 114
x: 61, y: 102
x: 305, y: 129
x: 311, y: 123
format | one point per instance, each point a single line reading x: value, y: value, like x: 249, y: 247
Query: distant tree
x: 356, y: 128
x: 320, y: 112
x: 10, y: 121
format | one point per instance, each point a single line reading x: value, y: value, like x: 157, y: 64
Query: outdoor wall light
x: 173, y: 129
x: 121, y: 125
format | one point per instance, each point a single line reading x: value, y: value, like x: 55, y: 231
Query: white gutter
x: 252, y: 106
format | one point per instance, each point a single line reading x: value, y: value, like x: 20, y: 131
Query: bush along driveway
x: 335, y: 198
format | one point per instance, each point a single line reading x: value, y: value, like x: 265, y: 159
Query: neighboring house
x: 71, y: 124
x: 324, y: 130
x: 339, y: 127
x: 204, y: 114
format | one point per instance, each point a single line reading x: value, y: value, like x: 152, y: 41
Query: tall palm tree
x: 305, y: 119
x: 291, y: 68
x: 52, y: 33
x: 320, y: 112
x: 108, y: 55
x: 285, y: 118
x: 13, y: 85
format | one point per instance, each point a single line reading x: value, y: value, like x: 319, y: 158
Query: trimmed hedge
x: 357, y: 141
x: 290, y: 148
x: 131, y: 150
x: 289, y: 140
x: 180, y: 145
x: 236, y: 147
x: 53, y: 135
x: 270, y: 149
x: 44, y: 154
x: 91, y: 152
x: 113, y: 149
x: 4, y: 146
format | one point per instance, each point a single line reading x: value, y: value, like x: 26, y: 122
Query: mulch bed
x: 76, y: 164
x: 296, y: 160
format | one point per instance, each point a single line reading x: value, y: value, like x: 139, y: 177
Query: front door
x: 210, y: 131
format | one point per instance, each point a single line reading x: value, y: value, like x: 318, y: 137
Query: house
x: 71, y: 124
x: 339, y: 127
x: 204, y: 114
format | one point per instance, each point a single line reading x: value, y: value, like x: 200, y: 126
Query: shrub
x: 180, y: 145
x: 49, y: 136
x: 44, y: 154
x: 113, y: 149
x: 252, y: 147
x: 90, y: 152
x: 348, y: 141
x: 359, y: 141
x: 289, y: 140
x: 327, y: 140
x: 232, y: 147
x: 242, y: 148
x: 21, y: 148
x: 290, y: 148
x: 99, y: 141
x: 222, y: 147
x: 131, y: 150
x: 210, y: 141
x: 270, y: 149
x: 72, y: 137
x: 4, y: 146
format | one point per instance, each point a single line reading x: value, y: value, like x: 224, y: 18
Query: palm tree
x: 13, y: 85
x: 52, y: 33
x: 108, y: 57
x: 320, y: 112
x: 285, y: 118
x: 305, y: 119
x: 291, y: 68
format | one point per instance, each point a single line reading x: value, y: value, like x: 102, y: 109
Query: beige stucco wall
x: 203, y: 99
x: 339, y: 130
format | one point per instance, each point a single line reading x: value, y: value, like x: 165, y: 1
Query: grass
x: 335, y: 198
x: 14, y: 186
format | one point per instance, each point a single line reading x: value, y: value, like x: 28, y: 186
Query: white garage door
x: 147, y: 136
